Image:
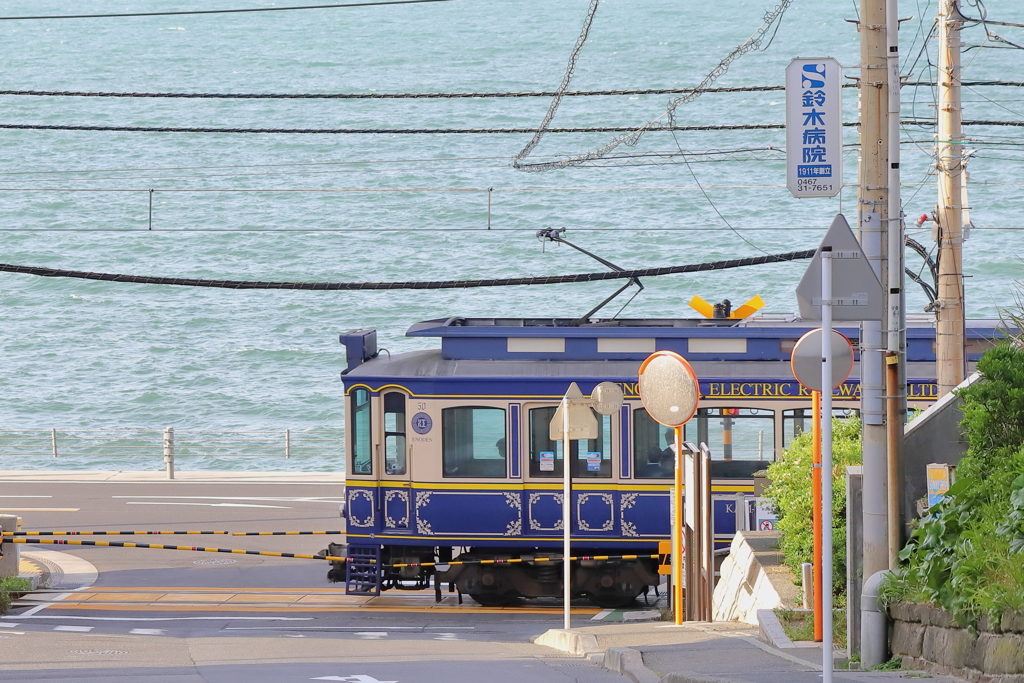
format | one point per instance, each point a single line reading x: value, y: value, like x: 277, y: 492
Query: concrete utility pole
x: 949, y: 333
x: 873, y: 203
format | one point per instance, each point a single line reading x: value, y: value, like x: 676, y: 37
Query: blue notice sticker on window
x: 593, y: 462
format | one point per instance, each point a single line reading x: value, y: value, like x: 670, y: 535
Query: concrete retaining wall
x: 928, y: 638
x: 752, y: 578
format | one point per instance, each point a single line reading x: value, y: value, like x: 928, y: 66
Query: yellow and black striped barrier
x: 109, y: 533
x: 285, y: 533
x: 158, y: 546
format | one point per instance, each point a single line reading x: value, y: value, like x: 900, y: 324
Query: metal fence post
x: 287, y: 444
x: 169, y: 451
x: 53, y: 440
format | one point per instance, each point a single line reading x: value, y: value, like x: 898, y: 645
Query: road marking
x: 209, y: 505
x: 148, y: 631
x: 77, y: 629
x: 371, y: 635
x: 274, y: 499
x: 351, y: 679
x: 447, y: 636
x: 40, y: 509
x: 6, y: 625
x: 26, y: 615
x: 26, y: 496
x: 601, y: 615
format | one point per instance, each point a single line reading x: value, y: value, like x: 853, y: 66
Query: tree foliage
x: 791, y: 494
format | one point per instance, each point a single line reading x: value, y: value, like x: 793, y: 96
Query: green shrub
x: 967, y: 555
x: 790, y: 493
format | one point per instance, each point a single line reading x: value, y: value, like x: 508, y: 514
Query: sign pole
x: 816, y: 509
x: 677, y: 530
x: 826, y: 462
x: 566, y: 517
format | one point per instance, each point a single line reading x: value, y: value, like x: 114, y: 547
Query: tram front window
x: 473, y: 442
x: 652, y: 447
x: 591, y: 457
x: 362, y: 460
x: 394, y: 433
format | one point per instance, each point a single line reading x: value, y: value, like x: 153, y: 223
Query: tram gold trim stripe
x: 622, y: 488
x: 503, y: 539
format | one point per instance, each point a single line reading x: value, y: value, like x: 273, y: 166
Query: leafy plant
x: 791, y: 494
x: 965, y: 556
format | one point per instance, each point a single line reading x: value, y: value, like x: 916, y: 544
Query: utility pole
x: 873, y: 223
x: 949, y: 312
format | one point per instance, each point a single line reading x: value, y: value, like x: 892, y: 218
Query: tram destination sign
x: 814, y: 127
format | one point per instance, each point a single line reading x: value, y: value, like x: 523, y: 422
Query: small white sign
x: 547, y: 461
x: 766, y: 517
x: 814, y: 127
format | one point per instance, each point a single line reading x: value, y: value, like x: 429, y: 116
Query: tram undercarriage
x: 494, y: 577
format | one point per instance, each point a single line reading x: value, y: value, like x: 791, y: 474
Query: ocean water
x: 80, y: 355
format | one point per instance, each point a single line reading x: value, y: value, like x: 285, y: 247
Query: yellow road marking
x: 184, y: 607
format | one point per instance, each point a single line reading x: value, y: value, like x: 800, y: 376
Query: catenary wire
x: 444, y: 95
x: 460, y: 131
x: 222, y: 11
x: 437, y: 284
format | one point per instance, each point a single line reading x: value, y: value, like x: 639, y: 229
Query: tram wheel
x: 492, y: 600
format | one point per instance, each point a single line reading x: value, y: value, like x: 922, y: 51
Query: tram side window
x: 473, y: 442
x: 652, y: 447
x: 590, y: 457
x: 362, y: 444
x: 797, y: 421
x: 394, y: 433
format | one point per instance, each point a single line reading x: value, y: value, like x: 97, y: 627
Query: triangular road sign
x: 856, y: 291
x: 582, y: 420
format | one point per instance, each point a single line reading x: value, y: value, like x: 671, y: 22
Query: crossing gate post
x: 11, y: 561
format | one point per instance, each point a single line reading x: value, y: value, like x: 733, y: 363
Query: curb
x: 629, y: 662
x: 579, y: 644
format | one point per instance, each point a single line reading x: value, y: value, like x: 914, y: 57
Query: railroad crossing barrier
x: 33, y: 537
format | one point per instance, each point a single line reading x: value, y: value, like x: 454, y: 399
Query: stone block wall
x: 928, y: 638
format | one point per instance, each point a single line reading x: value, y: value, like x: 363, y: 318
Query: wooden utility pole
x: 949, y: 331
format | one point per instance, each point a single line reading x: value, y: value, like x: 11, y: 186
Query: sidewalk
x: 721, y: 652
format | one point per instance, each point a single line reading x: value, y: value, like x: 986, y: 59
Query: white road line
x: 148, y: 631
x: 6, y: 625
x: 40, y: 509
x: 26, y: 496
x: 209, y: 505
x: 601, y: 615
x: 372, y: 635
x: 350, y: 628
x: 272, y: 499
x: 26, y: 615
x: 77, y: 629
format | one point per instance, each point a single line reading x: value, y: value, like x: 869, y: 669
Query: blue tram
x: 449, y: 455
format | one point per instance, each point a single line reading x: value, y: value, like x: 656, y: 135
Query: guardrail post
x: 287, y: 444
x: 53, y: 440
x: 169, y: 451
x: 10, y: 563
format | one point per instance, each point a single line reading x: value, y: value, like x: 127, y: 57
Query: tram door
x: 395, y: 494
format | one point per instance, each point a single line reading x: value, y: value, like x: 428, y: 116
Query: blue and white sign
x: 814, y: 127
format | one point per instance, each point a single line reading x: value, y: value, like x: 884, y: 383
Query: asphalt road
x: 167, y: 616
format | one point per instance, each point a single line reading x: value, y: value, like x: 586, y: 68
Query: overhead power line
x: 458, y: 131
x: 512, y: 94
x: 221, y: 11
x: 438, y: 284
